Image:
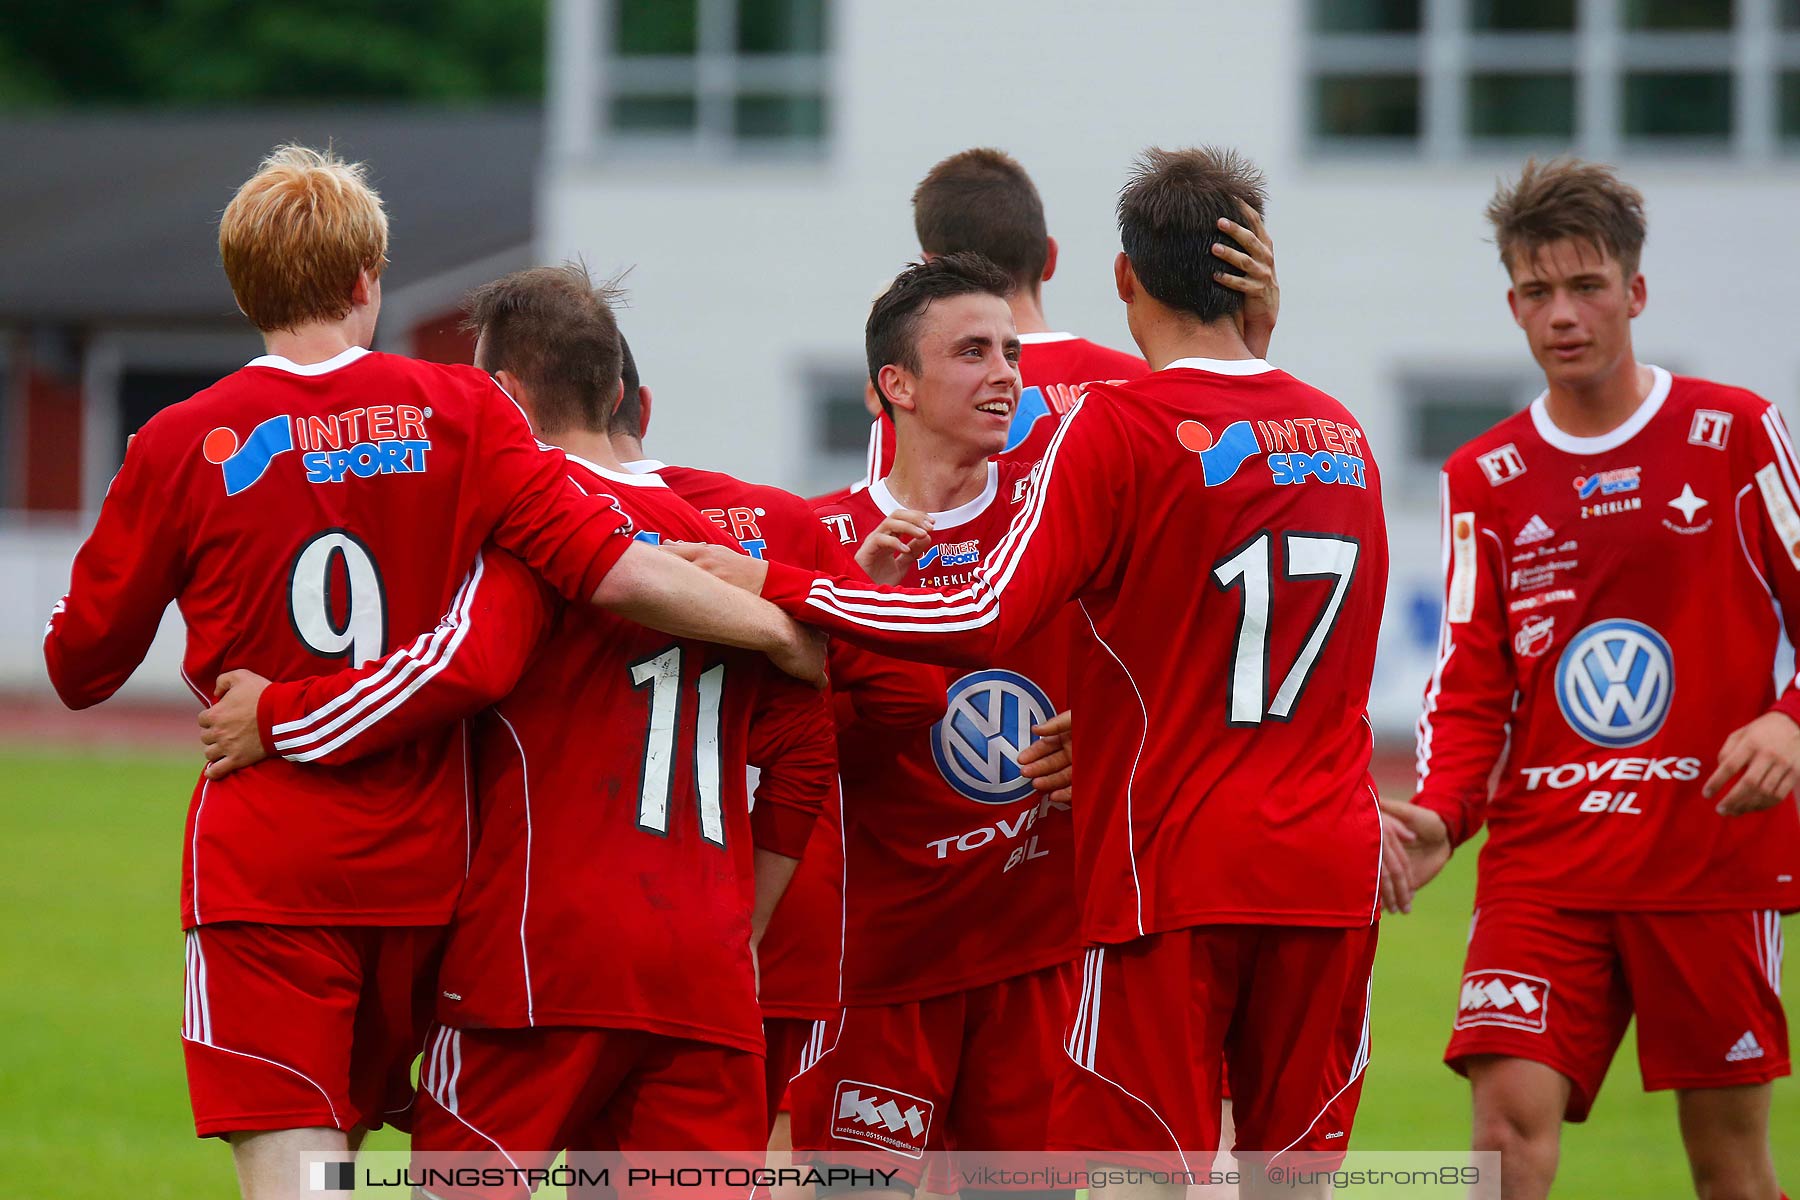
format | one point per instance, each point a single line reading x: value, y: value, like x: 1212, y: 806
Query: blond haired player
x: 316, y: 509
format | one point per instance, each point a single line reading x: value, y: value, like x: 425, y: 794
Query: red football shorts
x: 1285, y: 1009
x: 518, y: 1097
x: 969, y: 1070
x: 786, y: 1038
x: 1558, y: 986
x: 302, y: 1027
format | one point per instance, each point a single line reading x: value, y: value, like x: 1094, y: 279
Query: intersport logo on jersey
x: 1301, y: 450
x: 382, y: 439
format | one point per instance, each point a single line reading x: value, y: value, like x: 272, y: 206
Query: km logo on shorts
x: 1504, y: 998
x: 882, y: 1117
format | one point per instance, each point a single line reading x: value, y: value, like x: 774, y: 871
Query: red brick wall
x: 52, y: 411
x: 438, y: 339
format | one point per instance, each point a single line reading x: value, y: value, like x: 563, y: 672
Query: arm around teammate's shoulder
x: 475, y: 655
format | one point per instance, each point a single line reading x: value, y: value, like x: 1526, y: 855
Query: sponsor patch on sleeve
x: 1781, y: 511
x: 1462, y: 568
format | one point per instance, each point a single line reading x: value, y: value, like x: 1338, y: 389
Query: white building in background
x: 751, y: 163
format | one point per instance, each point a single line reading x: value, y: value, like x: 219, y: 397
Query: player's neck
x: 1602, y: 405
x: 936, y: 478
x: 627, y: 449
x: 1164, y: 338
x: 312, y: 343
x: 596, y: 448
x: 1028, y: 312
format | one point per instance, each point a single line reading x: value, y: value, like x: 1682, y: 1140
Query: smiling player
x: 960, y: 941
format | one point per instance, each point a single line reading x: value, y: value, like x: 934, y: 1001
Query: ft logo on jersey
x: 1301, y: 450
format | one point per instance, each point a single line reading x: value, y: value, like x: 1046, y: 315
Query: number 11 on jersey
x: 662, y: 675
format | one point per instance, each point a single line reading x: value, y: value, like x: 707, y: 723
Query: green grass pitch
x: 93, y: 1102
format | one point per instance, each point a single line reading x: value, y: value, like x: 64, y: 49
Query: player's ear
x: 1512, y: 303
x: 897, y: 386
x: 1639, y: 292
x: 515, y: 387
x: 1049, y: 260
x: 643, y: 411
x: 1124, y: 280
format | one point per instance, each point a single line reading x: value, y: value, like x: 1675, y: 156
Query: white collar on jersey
x: 884, y: 500
x: 1568, y: 443
x: 1038, y: 339
x: 1223, y: 366
x: 624, y: 477
x: 331, y: 364
x: 644, y: 466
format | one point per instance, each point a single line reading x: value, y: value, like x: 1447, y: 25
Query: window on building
x: 1450, y: 78
x: 1366, y: 81
x: 144, y: 393
x: 1443, y: 410
x: 840, y: 429
x: 716, y: 74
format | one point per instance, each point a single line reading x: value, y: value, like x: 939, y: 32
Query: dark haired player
x: 951, y: 1022
x: 1611, y: 883
x: 800, y: 953
x: 1217, y: 521
x: 982, y: 201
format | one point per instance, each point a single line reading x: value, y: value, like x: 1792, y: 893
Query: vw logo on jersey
x: 986, y: 724
x: 1615, y: 681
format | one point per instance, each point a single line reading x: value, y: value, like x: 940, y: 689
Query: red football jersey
x: 938, y: 823
x: 803, y: 944
x: 1221, y: 525
x: 614, y: 865
x: 304, y: 516
x: 1630, y: 589
x: 1051, y: 367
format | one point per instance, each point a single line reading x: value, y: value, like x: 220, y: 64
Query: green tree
x: 202, y: 53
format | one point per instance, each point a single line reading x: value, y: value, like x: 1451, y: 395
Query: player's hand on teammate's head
x: 1049, y: 762
x: 739, y: 570
x: 1765, y: 757
x: 228, y: 730
x: 1425, y: 840
x: 887, y: 554
x: 1262, y: 292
